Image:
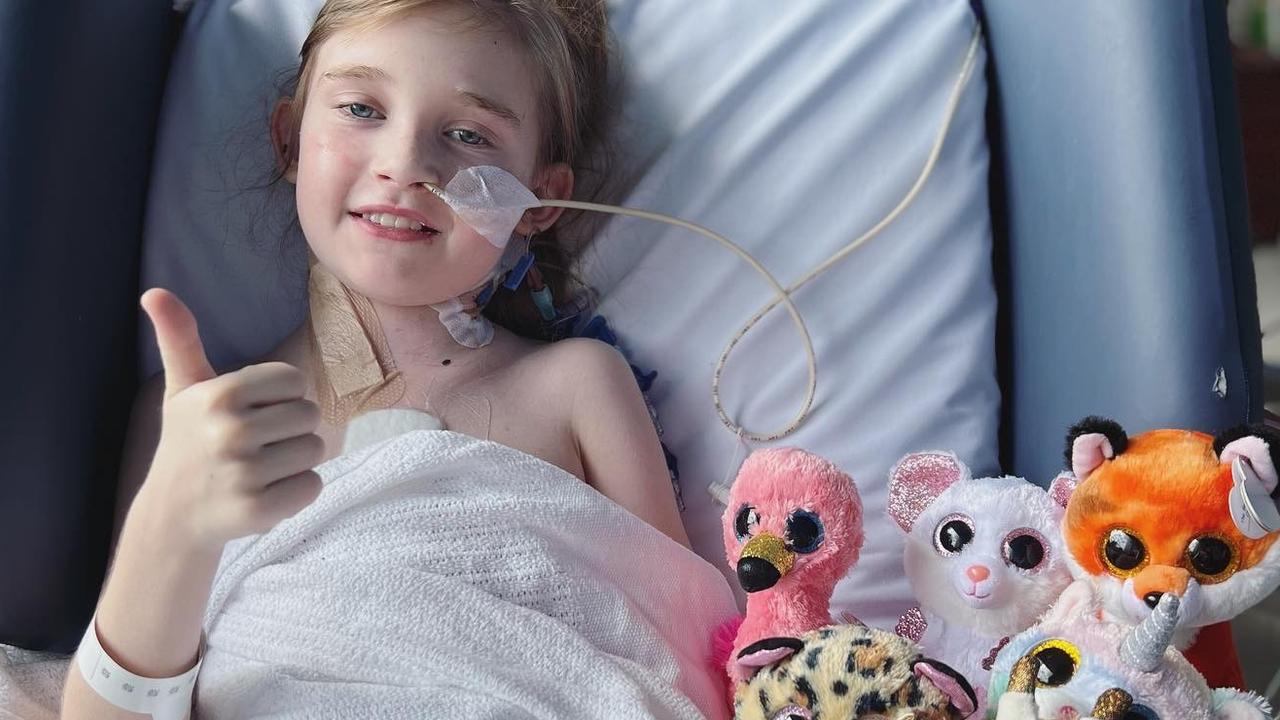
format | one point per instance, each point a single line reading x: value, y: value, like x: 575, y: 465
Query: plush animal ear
x: 917, y: 480
x: 1254, y: 443
x: 1091, y: 442
x: 769, y: 651
x: 1232, y: 704
x: 1061, y: 488
x: 951, y: 683
x: 1112, y: 704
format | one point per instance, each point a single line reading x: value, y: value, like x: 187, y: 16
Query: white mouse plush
x: 984, y: 556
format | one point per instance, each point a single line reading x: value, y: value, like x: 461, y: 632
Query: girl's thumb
x: 181, y: 351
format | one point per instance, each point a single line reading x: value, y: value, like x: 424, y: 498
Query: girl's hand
x: 235, y: 451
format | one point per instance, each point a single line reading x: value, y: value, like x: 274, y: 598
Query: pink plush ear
x: 1088, y: 451
x: 917, y: 480
x: 1061, y: 488
x: 951, y: 683
x: 1255, y: 450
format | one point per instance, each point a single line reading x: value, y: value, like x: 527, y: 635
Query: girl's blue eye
x: 468, y: 137
x: 360, y: 110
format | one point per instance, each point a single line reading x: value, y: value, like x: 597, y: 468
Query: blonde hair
x: 568, y: 43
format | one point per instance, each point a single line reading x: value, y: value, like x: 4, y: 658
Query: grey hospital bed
x: 1122, y: 252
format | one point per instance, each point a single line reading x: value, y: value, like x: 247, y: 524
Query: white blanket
x: 30, y: 684
x: 439, y: 575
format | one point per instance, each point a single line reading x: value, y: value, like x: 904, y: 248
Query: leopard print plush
x: 845, y: 672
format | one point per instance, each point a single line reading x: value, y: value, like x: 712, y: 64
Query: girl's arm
x: 620, y: 452
x: 233, y: 457
x: 152, y: 606
x: 150, y: 615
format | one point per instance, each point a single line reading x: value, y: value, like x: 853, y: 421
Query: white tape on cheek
x: 488, y: 199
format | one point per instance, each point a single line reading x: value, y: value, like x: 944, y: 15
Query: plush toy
x: 1019, y: 701
x: 848, y: 672
x: 1076, y: 664
x: 792, y: 529
x: 1153, y: 515
x: 984, y: 557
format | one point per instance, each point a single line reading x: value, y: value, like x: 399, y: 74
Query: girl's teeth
x: 394, y: 221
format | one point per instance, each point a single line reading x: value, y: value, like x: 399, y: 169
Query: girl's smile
x: 397, y: 223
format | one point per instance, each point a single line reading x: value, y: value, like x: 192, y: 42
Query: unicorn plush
x: 1076, y: 664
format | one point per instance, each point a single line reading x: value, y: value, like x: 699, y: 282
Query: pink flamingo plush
x: 792, y: 529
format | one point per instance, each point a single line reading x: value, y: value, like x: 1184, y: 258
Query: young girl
x: 393, y: 96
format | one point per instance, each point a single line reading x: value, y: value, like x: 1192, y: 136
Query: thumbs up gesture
x: 236, y: 451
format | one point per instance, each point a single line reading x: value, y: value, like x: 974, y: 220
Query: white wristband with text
x: 162, y: 698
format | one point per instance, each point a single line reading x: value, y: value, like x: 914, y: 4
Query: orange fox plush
x: 1152, y: 514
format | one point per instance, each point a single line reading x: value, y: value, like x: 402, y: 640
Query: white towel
x: 439, y: 575
x: 30, y: 684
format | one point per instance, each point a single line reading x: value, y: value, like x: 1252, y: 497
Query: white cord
x: 719, y: 491
x: 783, y: 294
x: 1273, y: 687
x: 781, y: 297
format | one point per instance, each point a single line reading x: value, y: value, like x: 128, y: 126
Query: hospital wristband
x: 162, y: 698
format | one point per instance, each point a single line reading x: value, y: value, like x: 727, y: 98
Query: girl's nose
x: 408, y: 176
x: 408, y: 163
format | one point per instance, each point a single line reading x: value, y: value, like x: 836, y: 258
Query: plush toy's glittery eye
x: 1123, y: 553
x: 804, y: 531
x: 1212, y: 558
x: 793, y: 712
x: 1140, y: 712
x: 953, y: 533
x: 1058, y: 661
x: 1024, y: 549
x: 744, y: 524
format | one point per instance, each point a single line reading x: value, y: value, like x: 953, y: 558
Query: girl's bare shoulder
x: 576, y: 364
x: 557, y: 382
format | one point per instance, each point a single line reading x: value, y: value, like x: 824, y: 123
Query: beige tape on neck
x: 351, y: 359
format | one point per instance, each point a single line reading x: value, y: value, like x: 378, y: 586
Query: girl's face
x: 410, y: 102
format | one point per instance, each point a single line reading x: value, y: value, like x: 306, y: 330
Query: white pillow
x: 226, y: 249
x: 791, y: 128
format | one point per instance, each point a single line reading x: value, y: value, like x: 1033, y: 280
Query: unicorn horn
x: 1144, y: 646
